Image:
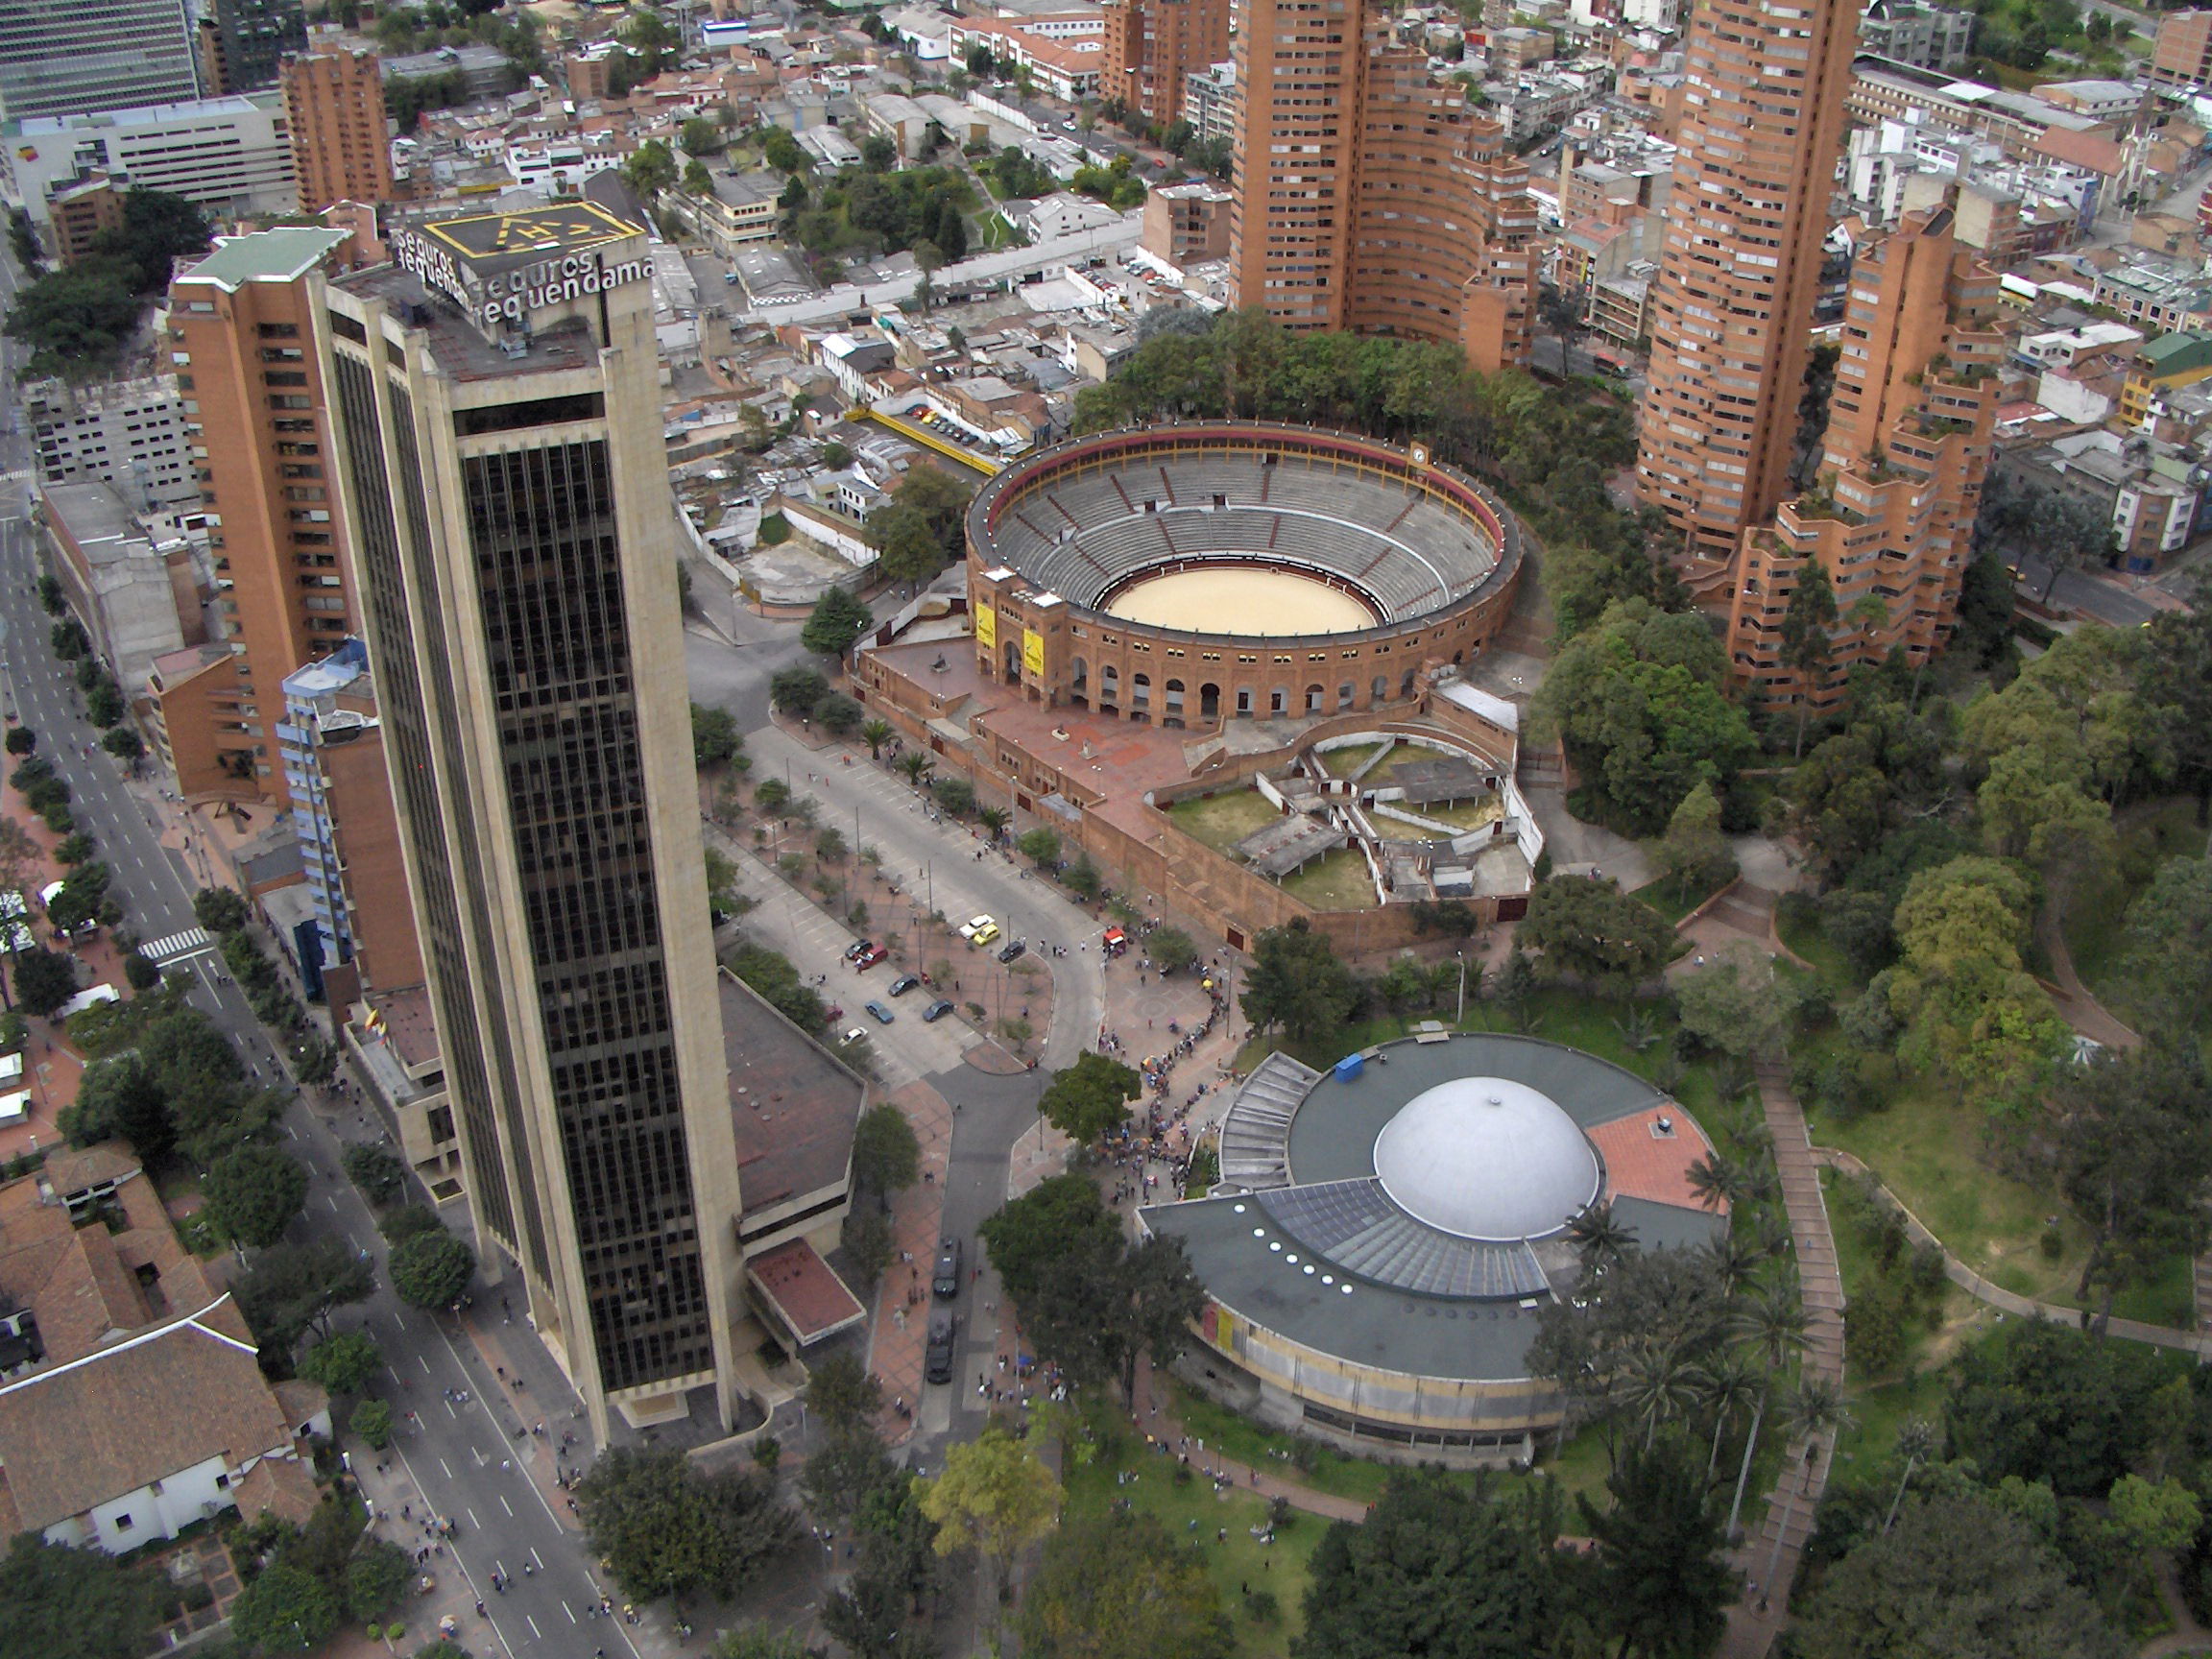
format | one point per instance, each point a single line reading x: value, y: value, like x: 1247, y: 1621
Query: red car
x: 869, y: 957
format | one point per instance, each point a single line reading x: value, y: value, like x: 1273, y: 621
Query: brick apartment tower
x: 340, y: 139
x: 2182, y: 56
x: 241, y: 327
x: 1369, y: 198
x: 1761, y: 126
x: 1152, y: 44
x: 1907, y: 448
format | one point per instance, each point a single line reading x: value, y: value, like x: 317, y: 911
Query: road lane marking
x: 570, y: 1611
x: 473, y: 1524
x: 535, y: 1556
x: 504, y: 1504
x: 419, y: 1359
x: 448, y: 1467
x: 534, y: 1630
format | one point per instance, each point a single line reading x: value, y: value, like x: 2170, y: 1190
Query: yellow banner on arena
x: 1032, y: 650
x: 986, y: 625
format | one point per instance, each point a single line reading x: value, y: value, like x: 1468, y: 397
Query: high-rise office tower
x: 242, y: 341
x: 1763, y: 118
x: 496, y: 398
x: 1152, y: 44
x: 242, y: 41
x: 341, y: 137
x: 1908, y: 446
x: 82, y: 56
x: 1369, y: 196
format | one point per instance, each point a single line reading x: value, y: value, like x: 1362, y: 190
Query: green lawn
x: 996, y: 231
x: 1464, y: 814
x: 1224, y: 820
x: 1343, y: 762
x: 1671, y: 898
x: 1336, y: 881
x: 1808, y: 941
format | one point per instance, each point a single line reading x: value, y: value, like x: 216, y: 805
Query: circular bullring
x: 1250, y: 532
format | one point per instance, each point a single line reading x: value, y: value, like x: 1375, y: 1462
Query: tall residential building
x: 82, y: 56
x: 1762, y: 128
x: 1152, y: 44
x: 1369, y: 196
x: 242, y: 41
x: 1907, y: 445
x: 242, y: 338
x: 498, y: 404
x: 2182, y: 56
x: 127, y: 433
x: 341, y: 137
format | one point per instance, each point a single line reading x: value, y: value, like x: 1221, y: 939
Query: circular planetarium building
x: 1184, y: 574
x: 1386, y: 1235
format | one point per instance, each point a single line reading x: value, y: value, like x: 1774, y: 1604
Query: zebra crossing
x: 177, y: 946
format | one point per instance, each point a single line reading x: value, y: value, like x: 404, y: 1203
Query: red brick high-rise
x: 1152, y: 44
x: 341, y: 139
x: 1762, y: 125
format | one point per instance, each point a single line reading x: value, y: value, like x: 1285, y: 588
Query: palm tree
x: 916, y: 765
x: 1655, y: 1385
x: 994, y: 819
x: 1727, y: 1383
x: 1601, y: 1236
x: 1917, y: 1443
x: 875, y: 734
x: 1717, y: 1181
x: 1639, y: 1031
x: 1814, y: 1410
x: 1772, y: 1317
x: 1732, y: 1261
x: 1762, y: 1181
x: 1772, y: 1235
x: 1750, y: 1445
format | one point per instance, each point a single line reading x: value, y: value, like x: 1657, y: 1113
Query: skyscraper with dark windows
x: 82, y: 56
x: 497, y: 417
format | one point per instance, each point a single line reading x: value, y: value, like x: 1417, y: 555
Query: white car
x: 980, y: 924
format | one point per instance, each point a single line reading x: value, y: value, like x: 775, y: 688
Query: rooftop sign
x: 503, y: 267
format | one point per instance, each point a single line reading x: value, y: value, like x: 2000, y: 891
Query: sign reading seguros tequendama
x: 512, y: 296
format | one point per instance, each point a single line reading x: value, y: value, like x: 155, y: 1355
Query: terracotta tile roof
x: 805, y: 1290
x: 71, y: 1170
x: 10, y: 1523
x: 1642, y: 1164
x: 282, y: 1484
x: 301, y: 1402
x: 75, y: 1434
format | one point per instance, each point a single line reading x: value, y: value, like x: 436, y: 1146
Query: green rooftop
x: 265, y: 257
x: 2178, y: 354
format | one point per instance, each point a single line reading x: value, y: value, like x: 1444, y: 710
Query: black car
x: 945, y: 1280
x: 936, y: 1011
x: 904, y: 983
x: 937, y: 1357
x: 858, y: 949
x: 1014, y: 948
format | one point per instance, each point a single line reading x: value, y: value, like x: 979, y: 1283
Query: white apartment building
x: 128, y: 434
x: 232, y: 155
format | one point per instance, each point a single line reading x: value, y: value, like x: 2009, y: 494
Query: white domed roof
x: 1486, y: 1158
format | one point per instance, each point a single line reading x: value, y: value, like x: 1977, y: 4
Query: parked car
x: 854, y: 1034
x: 1015, y: 950
x: 937, y: 1357
x: 858, y: 949
x: 936, y: 1011
x: 946, y: 1279
x: 884, y: 1015
x: 982, y: 926
x: 869, y: 957
x: 904, y: 983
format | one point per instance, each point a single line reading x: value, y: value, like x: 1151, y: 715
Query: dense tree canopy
x: 1119, y: 1587
x: 837, y: 619
x: 1295, y: 981
x: 664, y: 1528
x: 65, y: 1604
x: 1091, y: 1099
x: 2046, y: 1403
x: 1588, y: 929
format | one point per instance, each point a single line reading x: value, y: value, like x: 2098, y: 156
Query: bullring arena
x: 1189, y: 573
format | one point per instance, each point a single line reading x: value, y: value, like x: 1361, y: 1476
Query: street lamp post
x: 1461, y: 1018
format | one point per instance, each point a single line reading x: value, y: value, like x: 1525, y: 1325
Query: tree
x: 664, y: 1528
x: 120, y: 1095
x: 378, y: 1171
x: 784, y: 153
x: 994, y: 1495
x: 21, y: 739
x: 1735, y: 1012
x: 372, y: 1421
x: 2159, y: 1516
x: 342, y: 1363
x: 1296, y: 982
x: 839, y: 618
x: 877, y: 154
x: 876, y: 731
x: 1113, y: 1587
x: 839, y: 714
x: 1662, y: 1583
x: 1041, y: 847
x: 2133, y: 1139
x: 289, y: 1289
x: 1587, y: 928
x: 75, y: 320
x: 1954, y: 1579
x: 253, y: 1193
x: 795, y: 690
x: 842, y: 1394
x: 124, y: 743
x: 44, y: 981
x: 1804, y: 634
x: 1090, y: 1099
x: 1694, y: 855
x: 953, y: 795
x: 887, y: 1157
x: 285, y: 1607
x: 2168, y: 942
x: 431, y: 1269
x: 2049, y: 1403
x: 1638, y: 700
x: 1172, y: 948
x: 1439, y: 1568
x: 1059, y: 1217
x: 376, y: 1578
x: 219, y: 909
x: 715, y: 739
x: 651, y: 169
x: 67, y: 1603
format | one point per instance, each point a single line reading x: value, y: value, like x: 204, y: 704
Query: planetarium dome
x: 1487, y: 1157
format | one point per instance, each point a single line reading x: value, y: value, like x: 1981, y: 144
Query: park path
x: 2077, y: 1004
x: 1159, y: 1423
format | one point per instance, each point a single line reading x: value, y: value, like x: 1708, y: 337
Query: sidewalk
x: 1160, y: 1423
x: 899, y: 1329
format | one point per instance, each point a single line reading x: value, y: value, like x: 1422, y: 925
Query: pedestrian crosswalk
x: 177, y: 946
